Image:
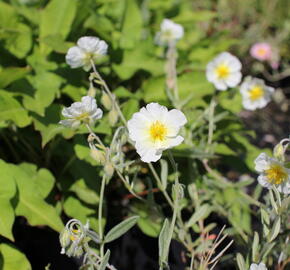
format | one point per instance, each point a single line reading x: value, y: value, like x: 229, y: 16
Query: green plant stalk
x: 108, y: 91
x: 100, y: 214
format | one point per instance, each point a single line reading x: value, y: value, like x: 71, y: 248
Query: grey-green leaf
x: 255, y: 247
x: 121, y: 229
x: 275, y: 229
x: 241, y: 262
x: 201, y: 213
x: 164, y: 173
x: 105, y: 260
x: 164, y: 242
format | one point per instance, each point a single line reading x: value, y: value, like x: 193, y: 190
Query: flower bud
x: 106, y: 101
x: 278, y: 152
x: 92, y: 92
x: 113, y: 116
x: 64, y: 239
x: 109, y: 169
x: 98, y: 156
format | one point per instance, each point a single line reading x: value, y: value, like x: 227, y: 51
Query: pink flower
x: 261, y: 51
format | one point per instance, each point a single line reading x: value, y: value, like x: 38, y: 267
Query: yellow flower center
x: 83, y: 117
x: 158, y: 131
x: 261, y: 51
x: 256, y: 93
x: 276, y: 174
x: 222, y: 71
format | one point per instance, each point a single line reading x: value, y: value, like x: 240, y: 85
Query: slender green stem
x: 101, y: 234
x: 108, y: 91
x: 159, y: 183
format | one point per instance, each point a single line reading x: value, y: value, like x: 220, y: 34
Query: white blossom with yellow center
x: 155, y: 129
x: 255, y: 93
x: 170, y: 33
x: 88, y: 49
x: 224, y: 71
x: 272, y: 172
x: 85, y: 111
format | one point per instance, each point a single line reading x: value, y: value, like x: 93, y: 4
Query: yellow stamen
x: 82, y: 117
x: 256, y: 92
x: 276, y: 174
x: 222, y: 71
x: 73, y: 238
x: 158, y: 131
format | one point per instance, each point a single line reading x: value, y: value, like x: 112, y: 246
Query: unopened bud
x: 278, y: 152
x: 178, y: 192
x: 109, y: 169
x: 64, y: 239
x: 92, y: 91
x: 98, y: 156
x: 106, y: 101
x: 113, y: 117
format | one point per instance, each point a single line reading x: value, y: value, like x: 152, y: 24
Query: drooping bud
x: 64, y: 239
x: 92, y: 91
x: 106, y: 101
x: 98, y: 155
x: 278, y: 152
x: 113, y: 116
x: 109, y: 169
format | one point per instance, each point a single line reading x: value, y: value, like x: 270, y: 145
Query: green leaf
x: 46, y: 86
x: 241, y: 262
x: 76, y: 209
x: 120, y: 229
x: 201, y: 213
x: 11, y: 109
x: 275, y: 229
x: 13, y: 258
x: 164, y: 242
x: 11, y: 74
x: 49, y: 126
x: 56, y: 18
x: 130, y: 107
x: 30, y: 202
x: 105, y: 260
x: 132, y: 25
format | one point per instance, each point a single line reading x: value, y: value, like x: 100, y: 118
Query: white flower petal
x: 262, y: 162
x: 75, y: 57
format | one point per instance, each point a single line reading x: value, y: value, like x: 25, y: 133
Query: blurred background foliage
x: 47, y: 174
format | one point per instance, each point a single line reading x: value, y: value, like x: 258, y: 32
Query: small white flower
x: 255, y: 93
x: 224, y: 71
x: 170, y: 33
x: 272, y: 172
x: 85, y: 111
x: 154, y: 129
x: 87, y: 49
x: 260, y: 266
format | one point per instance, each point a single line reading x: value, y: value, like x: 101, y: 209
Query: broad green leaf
x: 121, y: 229
x: 57, y: 43
x: 46, y: 86
x: 11, y: 74
x: 130, y: 107
x: 164, y: 242
x: 75, y: 209
x: 105, y: 261
x: 11, y: 110
x: 13, y: 258
x: 56, y: 18
x: 201, y: 213
x: 7, y: 192
x: 30, y: 202
x: 49, y: 126
x: 132, y: 25
x: 154, y: 90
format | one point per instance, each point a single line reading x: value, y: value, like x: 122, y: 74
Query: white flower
x: 170, y: 32
x: 87, y: 49
x: 260, y: 266
x: 224, y: 71
x: 155, y: 129
x: 85, y: 111
x: 255, y: 93
x: 272, y: 172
